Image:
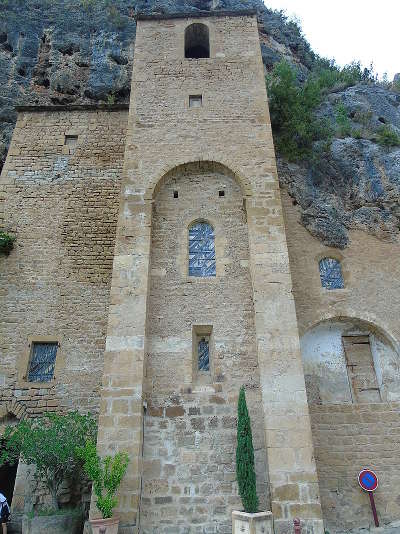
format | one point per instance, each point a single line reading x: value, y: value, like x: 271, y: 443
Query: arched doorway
x: 8, y: 471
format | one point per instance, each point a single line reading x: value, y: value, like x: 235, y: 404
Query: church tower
x: 201, y: 298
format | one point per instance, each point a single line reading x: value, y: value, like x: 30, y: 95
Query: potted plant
x: 106, y: 475
x: 250, y: 520
x: 49, y: 443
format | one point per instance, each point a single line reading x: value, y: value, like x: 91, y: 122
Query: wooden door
x: 361, y: 369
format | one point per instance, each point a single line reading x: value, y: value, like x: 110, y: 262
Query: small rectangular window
x: 176, y: 194
x: 42, y: 362
x: 203, y: 353
x: 202, y: 350
x: 71, y: 140
x: 195, y: 101
x: 221, y: 193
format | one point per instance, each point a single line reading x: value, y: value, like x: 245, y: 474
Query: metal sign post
x: 369, y: 482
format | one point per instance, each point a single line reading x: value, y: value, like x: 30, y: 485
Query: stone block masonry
x: 348, y: 439
x: 231, y: 129
x: 59, y: 196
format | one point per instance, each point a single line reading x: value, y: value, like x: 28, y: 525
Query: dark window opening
x: 221, y: 193
x: 197, y: 41
x: 176, y: 195
x: 195, y: 101
x: 71, y: 140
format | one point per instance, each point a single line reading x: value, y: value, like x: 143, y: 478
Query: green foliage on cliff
x: 343, y: 121
x: 293, y: 105
x: 292, y: 109
x: 245, y: 472
x: 387, y: 137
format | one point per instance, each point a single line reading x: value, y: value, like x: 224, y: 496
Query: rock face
x: 358, y: 184
x: 79, y: 51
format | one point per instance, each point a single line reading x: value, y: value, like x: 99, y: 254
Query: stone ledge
x: 196, y: 14
x: 73, y: 107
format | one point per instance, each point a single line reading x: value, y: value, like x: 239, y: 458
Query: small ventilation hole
x: 221, y: 193
x: 176, y: 195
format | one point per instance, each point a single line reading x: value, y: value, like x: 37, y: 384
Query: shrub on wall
x: 245, y: 472
x: 6, y: 242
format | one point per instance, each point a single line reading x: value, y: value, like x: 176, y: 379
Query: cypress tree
x: 245, y: 473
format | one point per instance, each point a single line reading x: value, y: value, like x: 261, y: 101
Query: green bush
x: 387, y: 137
x: 49, y: 443
x: 331, y: 77
x: 342, y: 120
x: 245, y: 472
x: 292, y: 109
x: 6, y: 242
x: 106, y: 474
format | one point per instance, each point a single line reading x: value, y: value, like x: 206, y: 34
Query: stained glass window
x: 43, y: 359
x: 201, y: 250
x: 204, y: 354
x: 331, y: 275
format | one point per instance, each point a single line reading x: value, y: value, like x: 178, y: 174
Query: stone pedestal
x: 259, y: 523
x: 105, y: 526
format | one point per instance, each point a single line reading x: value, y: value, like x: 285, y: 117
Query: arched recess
x: 181, y: 311
x: 179, y: 166
x: 197, y: 41
x: 10, y: 414
x: 349, y: 360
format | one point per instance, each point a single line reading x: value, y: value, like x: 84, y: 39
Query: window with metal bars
x: 203, y: 353
x: 42, y: 362
x: 201, y: 250
x: 330, y: 272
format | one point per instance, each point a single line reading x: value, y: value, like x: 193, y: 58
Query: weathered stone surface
x: 59, y: 524
x: 357, y: 184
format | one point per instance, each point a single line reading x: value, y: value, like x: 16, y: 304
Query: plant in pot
x: 250, y: 519
x: 49, y: 443
x: 106, y: 475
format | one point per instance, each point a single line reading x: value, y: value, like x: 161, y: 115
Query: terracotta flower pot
x: 105, y: 526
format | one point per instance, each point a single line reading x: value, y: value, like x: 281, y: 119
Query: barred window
x: 203, y: 353
x: 42, y: 362
x: 201, y: 250
x: 331, y: 275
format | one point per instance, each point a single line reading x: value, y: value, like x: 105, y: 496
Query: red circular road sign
x: 368, y: 480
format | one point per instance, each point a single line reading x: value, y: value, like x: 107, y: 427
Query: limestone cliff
x: 79, y: 51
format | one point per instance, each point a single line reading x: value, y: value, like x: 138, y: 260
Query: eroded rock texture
x: 79, y: 51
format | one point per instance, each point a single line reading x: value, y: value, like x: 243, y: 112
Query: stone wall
x: 60, y: 188
x: 347, y: 439
x: 232, y: 128
x: 347, y: 435
x: 190, y: 426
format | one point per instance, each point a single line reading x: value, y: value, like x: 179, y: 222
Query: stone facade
x: 101, y: 201
x: 349, y: 435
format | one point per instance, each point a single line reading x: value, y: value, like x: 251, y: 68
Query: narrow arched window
x: 197, y: 41
x: 331, y: 275
x: 201, y: 250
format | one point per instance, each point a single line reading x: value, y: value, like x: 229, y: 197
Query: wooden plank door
x: 361, y: 369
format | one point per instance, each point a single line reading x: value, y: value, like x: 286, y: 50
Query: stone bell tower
x: 201, y: 299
